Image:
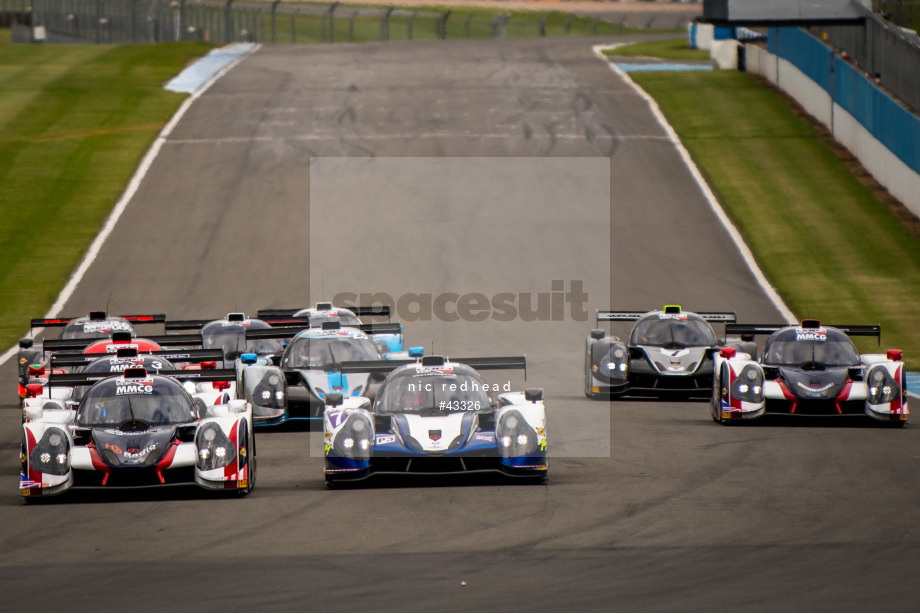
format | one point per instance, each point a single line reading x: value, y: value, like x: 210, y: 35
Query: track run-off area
x: 523, y: 167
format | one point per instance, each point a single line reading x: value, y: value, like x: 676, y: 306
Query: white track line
x: 122, y: 203
x: 730, y: 228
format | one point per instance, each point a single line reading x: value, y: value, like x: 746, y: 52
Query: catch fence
x: 228, y: 21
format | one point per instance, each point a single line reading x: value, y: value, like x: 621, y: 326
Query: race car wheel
x: 715, y: 403
x: 588, y: 393
x: 251, y: 482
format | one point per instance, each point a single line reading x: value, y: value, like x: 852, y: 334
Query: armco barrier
x: 881, y: 133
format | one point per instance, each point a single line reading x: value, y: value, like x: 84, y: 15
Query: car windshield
x: 792, y: 348
x: 84, y: 328
x: 153, y: 401
x: 231, y: 339
x: 657, y: 331
x: 445, y: 393
x: 313, y: 352
x: 346, y: 319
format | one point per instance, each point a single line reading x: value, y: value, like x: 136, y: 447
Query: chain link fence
x: 227, y: 21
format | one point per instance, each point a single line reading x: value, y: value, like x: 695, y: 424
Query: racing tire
x: 251, y: 483
x: 588, y: 393
x: 715, y: 403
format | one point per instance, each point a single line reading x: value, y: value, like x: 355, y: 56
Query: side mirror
x: 416, y: 351
x: 237, y: 406
x: 34, y: 390
x: 533, y: 394
x: 30, y: 412
x: 598, y: 333
x: 26, y: 343
x: 249, y: 358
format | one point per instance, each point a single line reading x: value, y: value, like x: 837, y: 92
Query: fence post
x: 542, y: 26
x: 274, y: 11
x: 228, y: 24
x: 498, y: 25
x: 351, y: 27
x: 466, y: 26
x: 441, y: 29
x: 293, y: 28
x: 412, y: 16
x: 385, y: 24
x: 332, y: 21
x: 568, y: 23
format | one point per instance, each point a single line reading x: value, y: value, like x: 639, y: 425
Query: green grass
x: 74, y: 123
x: 832, y: 250
x: 671, y: 49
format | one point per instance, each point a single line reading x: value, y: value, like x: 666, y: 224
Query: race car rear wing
x: 80, y: 360
x: 488, y: 363
x: 851, y: 330
x: 158, y: 318
x: 64, y: 345
x: 630, y: 316
x: 88, y: 379
x: 382, y: 311
x: 199, y: 324
x: 289, y: 331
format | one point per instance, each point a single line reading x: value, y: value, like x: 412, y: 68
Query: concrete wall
x: 725, y: 54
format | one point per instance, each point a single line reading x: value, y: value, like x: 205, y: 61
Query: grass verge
x: 670, y: 49
x: 828, y: 245
x: 74, y: 123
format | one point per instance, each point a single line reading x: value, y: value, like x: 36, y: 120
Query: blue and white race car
x: 812, y: 370
x: 311, y: 364
x: 389, y: 340
x: 436, y: 416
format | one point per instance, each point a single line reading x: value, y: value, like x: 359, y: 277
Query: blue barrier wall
x: 806, y: 52
x: 894, y: 126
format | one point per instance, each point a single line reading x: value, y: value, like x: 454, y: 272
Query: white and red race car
x: 808, y: 369
x: 138, y: 429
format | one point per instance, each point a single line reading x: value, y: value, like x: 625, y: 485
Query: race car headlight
x: 52, y: 453
x: 882, y: 387
x: 214, y: 448
x: 515, y: 436
x: 748, y: 386
x: 270, y: 392
x: 354, y: 439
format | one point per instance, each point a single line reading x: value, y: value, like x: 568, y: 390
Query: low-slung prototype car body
x: 436, y: 416
x: 389, y: 340
x: 138, y: 430
x: 95, y: 325
x: 667, y: 351
x: 100, y: 366
x: 311, y: 363
x: 260, y: 379
x: 812, y: 370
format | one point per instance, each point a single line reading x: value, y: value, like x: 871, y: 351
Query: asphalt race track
x: 650, y: 505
